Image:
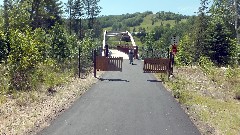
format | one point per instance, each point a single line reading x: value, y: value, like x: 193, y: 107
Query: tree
x: 185, y: 51
x: 78, y: 14
x: 53, y: 13
x: 7, y: 4
x: 219, y: 34
x: 199, y: 32
x: 93, y: 10
x: 149, y: 41
x: 69, y: 10
x: 45, y: 13
x: 35, y: 14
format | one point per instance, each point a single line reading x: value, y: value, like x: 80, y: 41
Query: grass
x: 220, y: 113
x: 45, y: 76
x: 223, y: 116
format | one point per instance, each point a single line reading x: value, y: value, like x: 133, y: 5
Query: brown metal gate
x: 126, y: 48
x: 109, y: 63
x: 156, y: 65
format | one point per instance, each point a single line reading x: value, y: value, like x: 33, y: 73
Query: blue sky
x: 186, y: 7
x: 110, y: 7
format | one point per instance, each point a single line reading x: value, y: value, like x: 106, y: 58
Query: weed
x: 238, y: 95
x: 22, y: 100
x: 2, y: 99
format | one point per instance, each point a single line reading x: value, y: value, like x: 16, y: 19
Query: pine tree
x: 92, y: 11
x: 53, y: 12
x: 88, y: 5
x: 45, y: 13
x: 69, y: 9
x: 78, y: 14
x: 219, y: 33
x: 7, y: 4
x: 201, y: 25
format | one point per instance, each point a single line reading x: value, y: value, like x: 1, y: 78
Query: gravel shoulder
x: 28, y: 116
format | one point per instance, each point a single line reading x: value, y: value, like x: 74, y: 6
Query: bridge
x: 123, y: 37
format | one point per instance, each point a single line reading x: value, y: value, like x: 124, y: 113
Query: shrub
x: 184, y: 55
x: 26, y: 52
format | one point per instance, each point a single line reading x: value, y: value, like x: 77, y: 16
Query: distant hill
x: 137, y: 22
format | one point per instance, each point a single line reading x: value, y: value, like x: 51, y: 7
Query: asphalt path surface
x: 124, y: 103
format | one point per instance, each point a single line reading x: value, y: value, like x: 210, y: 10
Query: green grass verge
x: 223, y: 115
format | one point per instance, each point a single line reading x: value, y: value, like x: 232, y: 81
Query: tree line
x: 124, y: 21
x: 41, y: 38
x: 211, y: 35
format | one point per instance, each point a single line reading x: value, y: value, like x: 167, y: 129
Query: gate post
x: 171, y: 62
x: 106, y: 53
x: 168, y: 53
x: 136, y: 52
x: 94, y: 63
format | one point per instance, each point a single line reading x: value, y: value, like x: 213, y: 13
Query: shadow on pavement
x: 154, y: 81
x: 102, y: 79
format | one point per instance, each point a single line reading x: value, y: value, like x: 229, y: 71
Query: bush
x: 28, y: 49
x: 206, y: 65
x: 184, y: 55
x: 22, y: 59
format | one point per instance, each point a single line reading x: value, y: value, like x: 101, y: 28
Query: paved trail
x: 124, y: 103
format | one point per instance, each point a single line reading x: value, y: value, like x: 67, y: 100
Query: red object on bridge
x: 174, y: 49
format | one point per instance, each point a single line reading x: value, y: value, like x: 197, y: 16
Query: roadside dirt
x: 20, y: 119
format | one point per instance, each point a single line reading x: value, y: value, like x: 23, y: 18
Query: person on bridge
x: 131, y: 53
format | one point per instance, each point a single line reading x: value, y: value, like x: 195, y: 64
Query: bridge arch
x: 123, y: 36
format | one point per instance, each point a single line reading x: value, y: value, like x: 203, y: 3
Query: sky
x: 185, y: 7
x: 110, y: 7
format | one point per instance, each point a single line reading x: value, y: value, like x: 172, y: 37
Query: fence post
x: 79, y: 62
x: 168, y: 53
x: 171, y: 62
x: 95, y: 64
